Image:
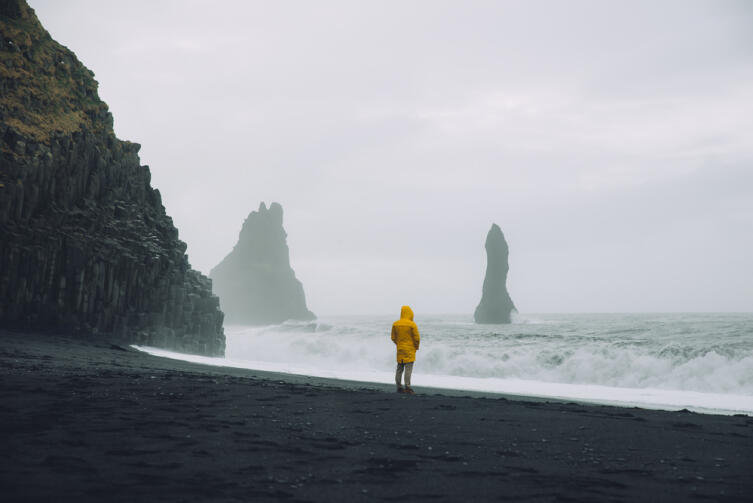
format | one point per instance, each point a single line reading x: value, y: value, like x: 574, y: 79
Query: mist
x: 612, y: 143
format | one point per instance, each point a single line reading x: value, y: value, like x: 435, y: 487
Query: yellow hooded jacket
x: 405, y: 336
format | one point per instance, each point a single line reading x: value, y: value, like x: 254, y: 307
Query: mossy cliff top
x: 44, y: 88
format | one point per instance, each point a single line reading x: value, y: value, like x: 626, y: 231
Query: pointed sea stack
x: 85, y: 244
x: 255, y: 282
x: 496, y: 304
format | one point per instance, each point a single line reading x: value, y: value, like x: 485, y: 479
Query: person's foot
x: 400, y: 389
x: 409, y: 390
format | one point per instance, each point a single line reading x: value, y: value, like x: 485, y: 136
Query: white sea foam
x: 699, y: 362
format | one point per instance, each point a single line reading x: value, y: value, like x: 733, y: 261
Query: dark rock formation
x: 255, y: 282
x: 85, y: 244
x: 496, y: 304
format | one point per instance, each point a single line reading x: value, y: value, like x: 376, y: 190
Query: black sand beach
x: 94, y: 421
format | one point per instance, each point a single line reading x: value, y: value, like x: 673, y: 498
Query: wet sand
x: 95, y: 421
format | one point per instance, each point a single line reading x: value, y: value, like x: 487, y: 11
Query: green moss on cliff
x: 44, y: 88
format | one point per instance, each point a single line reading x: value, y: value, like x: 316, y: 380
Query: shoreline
x: 86, y: 420
x: 530, y: 394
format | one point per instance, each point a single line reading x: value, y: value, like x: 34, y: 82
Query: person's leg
x: 399, y: 374
x: 408, y: 372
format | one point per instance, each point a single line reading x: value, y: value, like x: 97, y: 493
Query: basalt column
x: 86, y: 246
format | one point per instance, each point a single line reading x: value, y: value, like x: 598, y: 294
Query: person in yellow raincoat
x: 406, y: 338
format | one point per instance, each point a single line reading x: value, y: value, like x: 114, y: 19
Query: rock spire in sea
x: 85, y: 243
x: 496, y: 306
x: 255, y: 282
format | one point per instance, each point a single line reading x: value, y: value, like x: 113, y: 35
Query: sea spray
x: 700, y: 361
x: 608, y: 350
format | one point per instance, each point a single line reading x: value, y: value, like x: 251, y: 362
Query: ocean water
x: 700, y: 362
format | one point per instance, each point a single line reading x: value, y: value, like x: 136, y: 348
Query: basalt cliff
x: 255, y: 281
x: 496, y: 305
x: 85, y: 244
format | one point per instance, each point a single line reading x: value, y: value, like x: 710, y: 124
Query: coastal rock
x: 496, y: 305
x: 255, y: 282
x: 85, y: 244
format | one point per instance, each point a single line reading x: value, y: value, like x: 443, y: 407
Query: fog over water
x: 612, y: 142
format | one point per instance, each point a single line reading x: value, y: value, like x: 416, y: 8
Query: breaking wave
x: 703, y: 362
x: 634, y: 352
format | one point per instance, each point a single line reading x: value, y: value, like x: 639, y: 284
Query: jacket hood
x: 406, y: 313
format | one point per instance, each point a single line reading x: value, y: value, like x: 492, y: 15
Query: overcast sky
x: 611, y: 141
